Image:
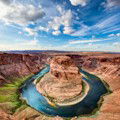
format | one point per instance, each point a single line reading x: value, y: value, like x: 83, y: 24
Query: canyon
x: 63, y: 82
x: 104, y: 65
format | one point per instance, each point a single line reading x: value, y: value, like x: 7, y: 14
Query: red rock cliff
x: 18, y: 65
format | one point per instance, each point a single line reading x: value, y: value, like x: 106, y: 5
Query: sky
x: 69, y: 25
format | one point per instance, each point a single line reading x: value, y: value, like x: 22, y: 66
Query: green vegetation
x: 67, y: 118
x: 83, y: 88
x: 10, y: 95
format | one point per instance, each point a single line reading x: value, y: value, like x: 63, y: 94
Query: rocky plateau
x: 64, y: 80
x: 104, y: 65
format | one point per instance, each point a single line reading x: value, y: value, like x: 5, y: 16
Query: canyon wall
x: 107, y: 67
x: 18, y: 65
x: 104, y: 65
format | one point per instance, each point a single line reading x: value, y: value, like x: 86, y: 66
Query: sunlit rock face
x: 63, y: 68
x: 63, y: 81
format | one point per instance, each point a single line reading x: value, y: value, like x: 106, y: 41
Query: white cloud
x: 59, y: 9
x: 116, y: 44
x: 7, y: 2
x: 65, y: 20
x: 85, y: 41
x: 30, y: 31
x: 57, y: 32
x: 34, y: 31
x: 21, y: 45
x: 20, y: 32
x: 114, y: 35
x: 31, y: 42
x: 84, y: 29
x: 43, y: 28
x: 68, y: 30
x: 111, y: 35
x: 17, y: 13
x: 118, y: 34
x: 78, y: 2
x: 112, y: 3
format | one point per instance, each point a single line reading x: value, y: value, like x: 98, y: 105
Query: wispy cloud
x: 21, y: 45
x: 83, y: 41
x: 108, y: 22
x: 86, y: 41
x: 111, y: 3
x: 116, y: 43
x: 30, y: 42
x: 114, y: 35
x: 106, y: 25
x: 30, y: 31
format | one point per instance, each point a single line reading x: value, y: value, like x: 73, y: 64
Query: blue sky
x: 73, y: 25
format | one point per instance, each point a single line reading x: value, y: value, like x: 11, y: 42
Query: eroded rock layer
x: 63, y: 81
x: 19, y: 65
x: 104, y: 65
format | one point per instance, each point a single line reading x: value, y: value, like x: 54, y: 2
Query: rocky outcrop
x: 31, y: 114
x: 64, y: 69
x: 18, y: 65
x: 5, y: 116
x: 2, y: 80
x: 63, y: 81
x: 106, y: 66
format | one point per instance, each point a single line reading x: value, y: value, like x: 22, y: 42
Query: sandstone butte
x: 63, y: 82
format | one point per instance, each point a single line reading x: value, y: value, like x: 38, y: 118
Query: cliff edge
x: 64, y: 80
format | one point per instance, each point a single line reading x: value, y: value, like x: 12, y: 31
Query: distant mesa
x: 63, y: 81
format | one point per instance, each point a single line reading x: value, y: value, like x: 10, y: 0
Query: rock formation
x: 5, y: 116
x: 104, y: 65
x: 63, y: 81
x: 18, y: 65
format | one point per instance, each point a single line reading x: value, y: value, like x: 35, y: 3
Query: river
x: 84, y: 107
